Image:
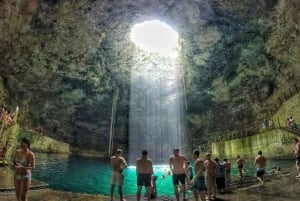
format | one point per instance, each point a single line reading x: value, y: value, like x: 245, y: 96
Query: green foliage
x: 32, y: 136
x: 193, y: 121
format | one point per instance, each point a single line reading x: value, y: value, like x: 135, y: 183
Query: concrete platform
x: 7, y: 181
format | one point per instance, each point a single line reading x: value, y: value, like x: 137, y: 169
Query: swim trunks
x: 260, y: 172
x: 116, y: 178
x: 144, y: 179
x: 199, y: 184
x: 178, y: 178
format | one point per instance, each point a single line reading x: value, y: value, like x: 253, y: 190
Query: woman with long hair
x: 24, y: 163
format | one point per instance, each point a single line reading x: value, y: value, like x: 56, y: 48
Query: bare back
x: 240, y: 161
x: 260, y: 161
x: 144, y: 166
x: 227, y: 165
x: 199, y: 167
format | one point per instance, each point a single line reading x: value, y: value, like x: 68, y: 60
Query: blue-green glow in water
x: 87, y: 175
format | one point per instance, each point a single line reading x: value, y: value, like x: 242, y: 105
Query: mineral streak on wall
x: 273, y: 143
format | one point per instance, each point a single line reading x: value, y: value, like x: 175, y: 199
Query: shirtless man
x: 144, y: 170
x: 177, y: 164
x: 227, y: 166
x: 211, y: 173
x: 118, y: 163
x: 198, y: 182
x: 260, y: 163
x: 240, y: 163
x: 297, y: 154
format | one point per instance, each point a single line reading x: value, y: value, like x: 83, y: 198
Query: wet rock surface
x: 62, y: 62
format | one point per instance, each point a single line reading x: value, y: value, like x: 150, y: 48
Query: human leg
x: 176, y: 192
x: 227, y: 179
x: 260, y: 175
x: 213, y: 188
x: 209, y: 184
x: 148, y: 192
x: 183, y: 190
x: 196, y: 195
x: 200, y: 187
x: 24, y: 188
x: 176, y: 183
x: 241, y: 172
x: 112, y: 188
x: 182, y: 178
x: 138, y: 193
x: 298, y: 166
x: 121, y: 192
x: 202, y: 195
x: 113, y: 181
x: 17, y: 187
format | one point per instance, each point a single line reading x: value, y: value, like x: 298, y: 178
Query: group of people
x: 290, y: 123
x: 210, y: 174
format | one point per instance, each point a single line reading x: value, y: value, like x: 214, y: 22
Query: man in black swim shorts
x: 144, y: 170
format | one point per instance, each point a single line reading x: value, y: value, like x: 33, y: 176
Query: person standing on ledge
x: 178, y: 164
x: 297, y: 154
x: 189, y: 174
x: 240, y: 164
x: 260, y: 162
x: 198, y: 181
x: 24, y: 163
x: 211, y: 168
x: 118, y: 163
x: 144, y: 171
x: 227, y: 166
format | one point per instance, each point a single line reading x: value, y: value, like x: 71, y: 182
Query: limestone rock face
x: 64, y: 62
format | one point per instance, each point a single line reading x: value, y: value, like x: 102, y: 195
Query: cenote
x: 91, y: 175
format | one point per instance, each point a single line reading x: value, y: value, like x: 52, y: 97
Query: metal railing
x: 285, y: 92
x: 293, y: 130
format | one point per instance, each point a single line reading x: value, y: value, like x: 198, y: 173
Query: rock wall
x: 40, y: 143
x: 273, y: 143
x: 288, y: 108
x: 62, y: 61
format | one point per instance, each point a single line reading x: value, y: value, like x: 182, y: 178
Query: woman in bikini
x: 24, y: 163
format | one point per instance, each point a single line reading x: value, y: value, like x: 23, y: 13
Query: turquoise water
x: 87, y: 175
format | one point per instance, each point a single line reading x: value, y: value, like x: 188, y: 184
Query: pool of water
x: 89, y: 175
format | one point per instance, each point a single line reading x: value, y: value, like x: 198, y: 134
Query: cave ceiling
x: 63, y: 61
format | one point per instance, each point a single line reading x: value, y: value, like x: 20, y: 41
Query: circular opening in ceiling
x: 155, y: 37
